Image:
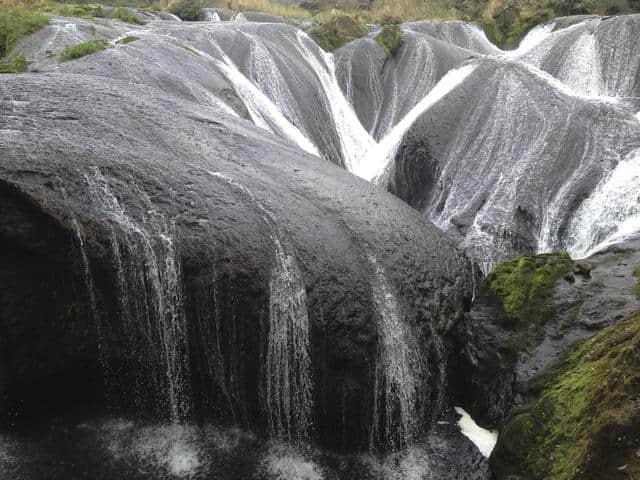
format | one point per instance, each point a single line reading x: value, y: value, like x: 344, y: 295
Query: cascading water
x: 287, y: 397
x: 581, y: 72
x: 211, y: 15
x: 398, y: 369
x: 611, y: 214
x: 150, y: 290
x: 386, y: 149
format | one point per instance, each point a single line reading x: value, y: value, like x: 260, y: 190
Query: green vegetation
x: 585, y: 424
x: 17, y: 22
x: 85, y: 10
x: 525, y: 285
x: 336, y: 30
x: 16, y: 64
x: 523, y: 288
x: 636, y: 288
x: 125, y: 15
x: 127, y: 39
x: 83, y: 49
x: 389, y: 39
x: 190, y: 10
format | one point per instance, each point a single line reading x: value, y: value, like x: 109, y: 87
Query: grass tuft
x: 125, y: 15
x: 127, y: 39
x: 336, y: 30
x: 83, y: 49
x: 17, y: 22
x: 16, y: 64
x: 389, y: 39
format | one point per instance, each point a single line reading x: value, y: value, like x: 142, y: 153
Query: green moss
x: 525, y: 285
x: 127, y: 39
x: 585, y: 424
x: 85, y: 10
x: 17, y: 22
x: 389, y: 39
x: 16, y: 64
x: 83, y: 49
x: 189, y: 10
x: 636, y: 287
x: 336, y: 30
x: 125, y: 15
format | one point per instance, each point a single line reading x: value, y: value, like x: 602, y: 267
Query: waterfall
x: 150, y: 290
x: 264, y: 112
x: 287, y: 397
x: 611, y: 214
x: 211, y: 15
x: 288, y: 365
x: 385, y: 150
x: 581, y: 71
x: 398, y: 368
x: 355, y: 141
x: 534, y: 38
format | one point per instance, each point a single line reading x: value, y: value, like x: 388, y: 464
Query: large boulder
x: 382, y: 89
x: 506, y: 161
x: 164, y: 259
x: 530, y: 313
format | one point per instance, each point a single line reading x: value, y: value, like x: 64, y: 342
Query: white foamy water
x: 413, y: 463
x: 482, y: 438
x: 284, y: 462
x: 611, y: 214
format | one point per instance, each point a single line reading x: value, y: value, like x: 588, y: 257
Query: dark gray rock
x: 583, y: 304
x: 128, y: 214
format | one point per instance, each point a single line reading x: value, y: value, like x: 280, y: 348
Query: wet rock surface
x: 591, y: 298
x: 504, y: 161
x: 123, y: 171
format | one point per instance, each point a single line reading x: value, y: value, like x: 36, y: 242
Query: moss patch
x: 337, y: 30
x: 636, y: 287
x: 389, y: 39
x: 85, y: 10
x: 125, y: 15
x: 82, y: 49
x: 525, y: 285
x: 585, y: 425
x: 16, y: 64
x: 17, y: 22
x: 127, y: 39
x: 189, y: 10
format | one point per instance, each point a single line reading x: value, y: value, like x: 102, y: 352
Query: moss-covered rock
x: 83, y: 49
x: 525, y: 285
x: 337, y: 30
x: 585, y: 424
x: 17, y: 22
x: 188, y: 10
x: 15, y: 64
x: 389, y: 38
x: 636, y: 288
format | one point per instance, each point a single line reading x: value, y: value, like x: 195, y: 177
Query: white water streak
x: 482, y: 438
x: 386, y: 149
x: 611, y: 214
